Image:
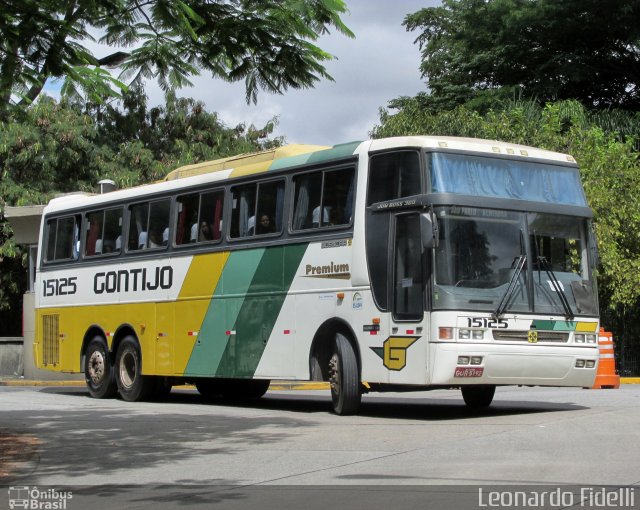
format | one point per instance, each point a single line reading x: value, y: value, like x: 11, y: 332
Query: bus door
x: 409, y: 323
x: 397, y: 266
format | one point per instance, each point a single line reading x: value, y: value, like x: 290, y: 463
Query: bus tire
x: 98, y: 371
x: 208, y: 387
x: 132, y: 385
x: 343, y: 377
x: 162, y: 388
x: 478, y: 397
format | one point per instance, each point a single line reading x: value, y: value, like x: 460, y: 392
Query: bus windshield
x: 494, y: 261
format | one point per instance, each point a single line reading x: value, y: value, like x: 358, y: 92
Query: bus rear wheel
x: 478, y: 397
x: 343, y: 377
x: 132, y: 385
x: 98, y: 372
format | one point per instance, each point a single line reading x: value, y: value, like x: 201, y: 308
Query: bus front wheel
x: 478, y: 397
x: 132, y: 385
x: 98, y: 372
x: 343, y: 377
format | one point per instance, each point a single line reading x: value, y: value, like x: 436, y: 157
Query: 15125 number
x: 487, y: 322
x: 59, y: 286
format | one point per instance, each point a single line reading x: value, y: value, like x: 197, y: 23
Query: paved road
x: 58, y: 436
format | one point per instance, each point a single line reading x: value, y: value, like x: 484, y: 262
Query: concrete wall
x: 11, y: 356
x: 30, y: 371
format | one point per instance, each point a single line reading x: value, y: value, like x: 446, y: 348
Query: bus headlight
x: 592, y: 339
x: 579, y: 338
x: 477, y: 334
x: 464, y: 334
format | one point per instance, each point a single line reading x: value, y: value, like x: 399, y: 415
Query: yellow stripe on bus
x: 587, y: 327
x: 193, y: 302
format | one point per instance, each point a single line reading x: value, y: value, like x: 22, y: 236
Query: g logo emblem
x: 532, y: 336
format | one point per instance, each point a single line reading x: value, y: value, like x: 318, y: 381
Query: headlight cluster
x: 581, y: 338
x: 469, y: 360
x: 463, y: 334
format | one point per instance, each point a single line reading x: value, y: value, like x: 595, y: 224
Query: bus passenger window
x: 269, y: 209
x: 93, y: 239
x: 159, y: 224
x: 243, y: 211
x: 306, y: 212
x: 63, y: 239
x: 257, y: 209
x: 210, y: 218
x: 138, y: 220
x: 187, y: 219
x: 337, y: 197
x: 112, y: 234
x: 323, y: 199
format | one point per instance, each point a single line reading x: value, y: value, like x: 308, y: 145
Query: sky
x: 380, y: 64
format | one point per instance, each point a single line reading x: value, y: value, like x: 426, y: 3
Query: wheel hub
x: 128, y: 369
x: 96, y: 367
x: 334, y: 374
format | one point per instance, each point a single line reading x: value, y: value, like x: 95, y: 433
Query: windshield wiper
x: 522, y: 260
x: 568, y: 313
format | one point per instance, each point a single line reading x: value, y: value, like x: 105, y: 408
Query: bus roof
x: 296, y: 155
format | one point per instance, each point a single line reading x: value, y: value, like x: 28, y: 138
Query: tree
x: 60, y: 147
x: 550, y: 50
x: 266, y: 43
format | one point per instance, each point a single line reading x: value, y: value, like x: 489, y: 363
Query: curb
x: 275, y: 385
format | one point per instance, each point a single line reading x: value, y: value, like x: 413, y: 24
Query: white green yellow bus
x: 396, y: 264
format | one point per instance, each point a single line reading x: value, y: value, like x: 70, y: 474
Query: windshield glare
x: 478, y: 254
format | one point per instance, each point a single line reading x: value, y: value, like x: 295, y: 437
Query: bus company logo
x: 333, y: 270
x: 394, y: 351
x: 532, y: 336
x: 34, y: 498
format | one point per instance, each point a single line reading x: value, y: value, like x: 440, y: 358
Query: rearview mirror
x: 429, y: 230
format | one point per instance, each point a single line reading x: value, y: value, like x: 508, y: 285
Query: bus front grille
x: 524, y: 336
x: 50, y: 339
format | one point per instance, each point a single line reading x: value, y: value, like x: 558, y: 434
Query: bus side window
x: 187, y: 219
x: 159, y: 224
x: 308, y: 190
x: 337, y: 197
x: 138, y: 221
x: 393, y: 175
x: 210, y: 217
x: 243, y: 213
x: 112, y: 231
x: 269, y: 208
x: 93, y: 238
x: 63, y: 238
x: 323, y: 199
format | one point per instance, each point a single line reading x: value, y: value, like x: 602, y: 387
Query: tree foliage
x: 550, y: 50
x: 62, y: 147
x: 266, y: 43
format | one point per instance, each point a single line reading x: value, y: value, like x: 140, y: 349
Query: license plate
x: 468, y: 372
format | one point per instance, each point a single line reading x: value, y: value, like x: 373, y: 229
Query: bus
x: 397, y: 264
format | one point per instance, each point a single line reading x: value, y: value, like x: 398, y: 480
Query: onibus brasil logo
x: 38, y: 499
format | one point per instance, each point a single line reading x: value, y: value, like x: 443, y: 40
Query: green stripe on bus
x: 553, y: 325
x: 336, y: 152
x: 223, y: 311
x: 260, y: 310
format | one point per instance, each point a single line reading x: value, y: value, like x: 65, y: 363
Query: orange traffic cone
x: 606, y: 376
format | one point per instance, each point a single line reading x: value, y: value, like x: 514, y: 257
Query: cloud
x: 380, y: 64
